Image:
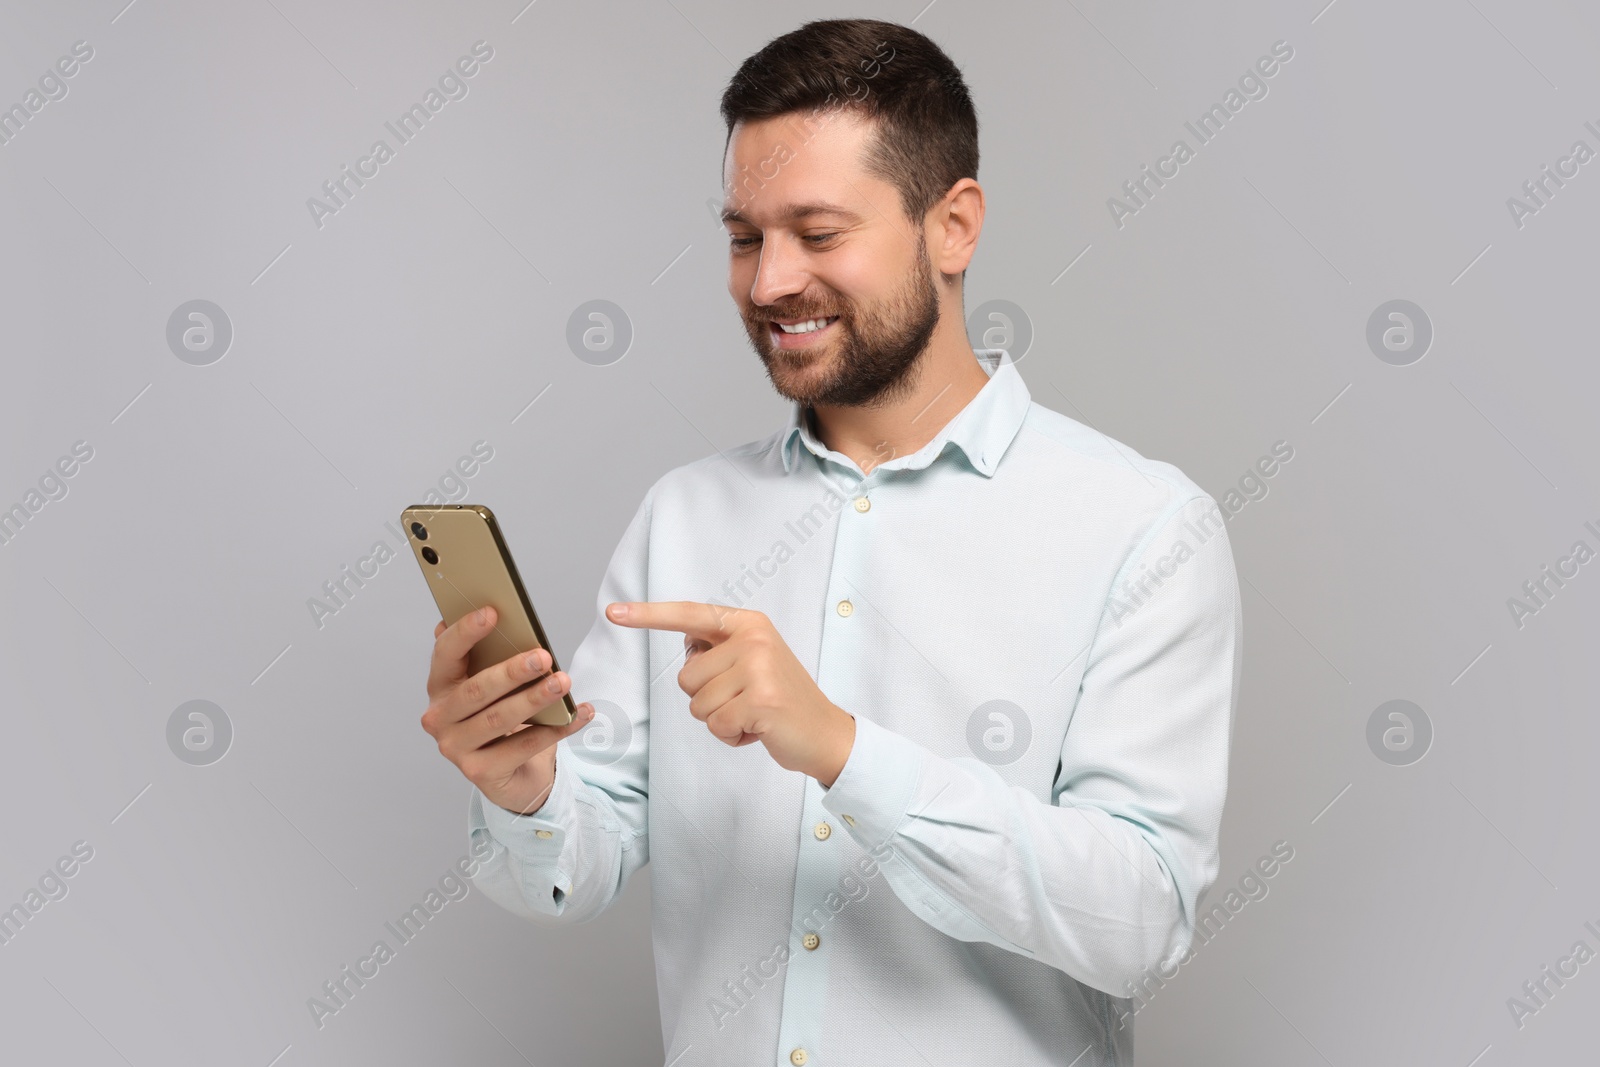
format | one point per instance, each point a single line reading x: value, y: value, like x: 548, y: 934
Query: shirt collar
x: 982, y: 430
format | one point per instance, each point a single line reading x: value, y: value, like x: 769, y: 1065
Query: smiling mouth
x: 800, y: 334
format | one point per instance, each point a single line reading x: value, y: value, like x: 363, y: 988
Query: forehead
x: 776, y: 166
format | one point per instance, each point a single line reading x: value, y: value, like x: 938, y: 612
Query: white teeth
x: 806, y: 327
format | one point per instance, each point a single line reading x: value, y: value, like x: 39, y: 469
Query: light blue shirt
x: 1038, y: 633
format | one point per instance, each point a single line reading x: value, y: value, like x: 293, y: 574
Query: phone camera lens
x: 420, y: 531
x: 430, y: 555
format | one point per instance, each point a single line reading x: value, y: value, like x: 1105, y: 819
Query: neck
x: 944, y: 380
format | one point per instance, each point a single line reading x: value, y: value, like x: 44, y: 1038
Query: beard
x: 872, y: 359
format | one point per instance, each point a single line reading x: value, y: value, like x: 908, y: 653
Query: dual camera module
x: 420, y: 532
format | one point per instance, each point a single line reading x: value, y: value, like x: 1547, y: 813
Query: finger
x: 707, y: 622
x: 508, y: 714
x: 727, y: 723
x: 499, y: 759
x: 702, y: 667
x: 707, y: 699
x: 450, y: 648
x: 437, y: 630
x: 472, y: 695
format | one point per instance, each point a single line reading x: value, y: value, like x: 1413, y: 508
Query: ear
x: 955, y: 223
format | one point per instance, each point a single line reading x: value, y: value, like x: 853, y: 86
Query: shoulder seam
x: 1165, y: 479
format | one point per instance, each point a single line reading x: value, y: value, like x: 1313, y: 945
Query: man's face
x: 818, y: 238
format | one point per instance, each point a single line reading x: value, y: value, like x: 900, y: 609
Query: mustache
x: 796, y: 315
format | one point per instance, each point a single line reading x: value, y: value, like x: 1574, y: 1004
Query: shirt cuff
x: 535, y: 838
x: 874, y: 790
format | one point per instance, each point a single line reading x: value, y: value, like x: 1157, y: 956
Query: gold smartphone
x: 467, y: 566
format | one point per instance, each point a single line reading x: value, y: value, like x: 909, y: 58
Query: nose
x: 779, y: 272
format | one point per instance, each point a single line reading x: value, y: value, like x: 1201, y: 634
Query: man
x: 921, y: 704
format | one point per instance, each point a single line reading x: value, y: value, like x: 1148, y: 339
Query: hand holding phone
x: 498, y: 700
x: 482, y: 722
x: 467, y: 565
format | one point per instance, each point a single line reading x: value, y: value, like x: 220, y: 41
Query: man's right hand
x: 483, y: 731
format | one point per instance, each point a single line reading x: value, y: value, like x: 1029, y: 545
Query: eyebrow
x: 796, y: 212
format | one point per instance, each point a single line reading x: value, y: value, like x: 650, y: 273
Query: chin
x: 794, y: 383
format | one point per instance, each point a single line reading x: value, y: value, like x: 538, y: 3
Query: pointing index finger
x: 705, y: 622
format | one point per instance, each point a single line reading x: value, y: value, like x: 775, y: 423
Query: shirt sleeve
x: 570, y: 859
x: 1103, y: 882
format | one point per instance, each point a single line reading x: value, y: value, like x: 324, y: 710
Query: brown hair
x: 926, y: 136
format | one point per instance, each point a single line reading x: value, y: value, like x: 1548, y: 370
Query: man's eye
x: 816, y: 240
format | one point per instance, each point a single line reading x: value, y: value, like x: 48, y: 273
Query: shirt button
x: 798, y: 1057
x: 822, y: 831
x: 848, y: 819
x: 542, y: 833
x: 811, y: 941
x: 862, y: 503
x: 846, y: 608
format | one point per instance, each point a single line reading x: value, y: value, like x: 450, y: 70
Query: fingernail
x: 619, y: 611
x: 532, y: 661
x: 481, y: 616
x: 554, y: 684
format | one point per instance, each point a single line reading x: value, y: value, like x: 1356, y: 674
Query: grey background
x: 369, y: 354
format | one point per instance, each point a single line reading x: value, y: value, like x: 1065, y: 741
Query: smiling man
x: 916, y: 784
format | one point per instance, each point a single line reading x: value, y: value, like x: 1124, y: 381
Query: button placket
x: 818, y: 865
